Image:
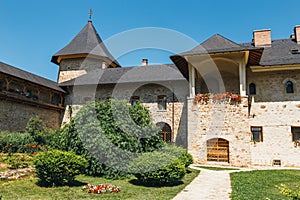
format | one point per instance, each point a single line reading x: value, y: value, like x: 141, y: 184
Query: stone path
x: 16, y: 173
x: 207, y: 185
x: 214, y: 185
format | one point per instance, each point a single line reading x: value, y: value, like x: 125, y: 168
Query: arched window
x: 165, y: 131
x: 289, y: 87
x: 252, y: 89
x: 134, y: 100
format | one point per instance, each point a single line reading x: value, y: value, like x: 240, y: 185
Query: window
x: 162, y: 102
x: 252, y: 89
x: 257, y: 135
x: 134, y: 100
x: 296, y: 133
x: 289, y: 88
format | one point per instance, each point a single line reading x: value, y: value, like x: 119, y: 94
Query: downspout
x: 173, y: 114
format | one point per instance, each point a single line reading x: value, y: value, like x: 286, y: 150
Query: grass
x: 261, y: 184
x: 28, y: 189
x: 217, y: 168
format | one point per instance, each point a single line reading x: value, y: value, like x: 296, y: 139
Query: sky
x: 34, y: 30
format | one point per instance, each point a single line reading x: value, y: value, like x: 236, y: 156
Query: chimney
x: 297, y: 34
x: 293, y: 36
x: 144, y: 62
x: 262, y: 38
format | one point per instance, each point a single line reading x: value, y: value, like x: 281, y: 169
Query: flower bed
x: 100, y: 189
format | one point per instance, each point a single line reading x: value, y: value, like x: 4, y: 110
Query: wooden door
x: 217, y: 150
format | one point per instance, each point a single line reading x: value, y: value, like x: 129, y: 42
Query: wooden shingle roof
x: 18, y: 73
x: 86, y: 42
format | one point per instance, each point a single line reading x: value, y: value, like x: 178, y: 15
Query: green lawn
x: 258, y: 185
x: 28, y: 189
x: 216, y: 168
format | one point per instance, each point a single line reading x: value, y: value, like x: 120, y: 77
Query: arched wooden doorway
x: 165, y: 131
x: 217, y: 150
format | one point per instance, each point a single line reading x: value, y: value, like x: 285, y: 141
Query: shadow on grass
x: 156, y: 184
x: 73, y: 183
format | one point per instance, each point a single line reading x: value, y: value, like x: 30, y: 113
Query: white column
x: 242, y: 76
x: 192, y: 81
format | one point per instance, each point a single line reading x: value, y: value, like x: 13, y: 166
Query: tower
x: 84, y: 53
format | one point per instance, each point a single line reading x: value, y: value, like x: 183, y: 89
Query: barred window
x: 295, y: 133
x: 257, y: 134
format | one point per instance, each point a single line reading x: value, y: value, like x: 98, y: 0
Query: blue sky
x: 32, y: 31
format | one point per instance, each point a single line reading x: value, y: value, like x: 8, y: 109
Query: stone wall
x: 276, y: 118
x: 14, y: 116
x: 233, y: 123
x: 75, y: 67
x: 270, y: 86
x: 219, y: 120
x: 148, y: 93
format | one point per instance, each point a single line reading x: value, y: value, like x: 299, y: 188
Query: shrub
x: 179, y: 152
x: 55, y: 168
x: 14, y: 142
x: 157, y: 168
x: 38, y: 130
x: 96, y: 131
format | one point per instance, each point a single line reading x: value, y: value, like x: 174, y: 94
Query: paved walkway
x: 207, y: 185
x: 213, y: 185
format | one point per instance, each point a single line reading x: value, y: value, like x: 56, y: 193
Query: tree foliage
x: 108, y: 135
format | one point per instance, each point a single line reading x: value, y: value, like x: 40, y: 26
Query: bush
x: 14, y: 142
x: 179, y: 152
x: 157, y: 168
x: 96, y: 131
x: 55, y: 168
x: 38, y: 130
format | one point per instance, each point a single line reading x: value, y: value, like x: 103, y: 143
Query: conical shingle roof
x: 86, y: 42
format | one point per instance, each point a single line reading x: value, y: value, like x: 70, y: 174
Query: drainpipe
x: 173, y: 114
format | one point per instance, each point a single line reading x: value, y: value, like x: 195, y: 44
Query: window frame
x: 289, y: 89
x: 256, y: 131
x: 293, y: 133
x: 162, y: 101
x: 252, y: 86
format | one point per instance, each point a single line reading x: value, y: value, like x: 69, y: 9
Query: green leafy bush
x: 38, y: 130
x: 97, y: 131
x: 55, y: 168
x: 179, y: 152
x: 157, y: 168
x: 12, y: 142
